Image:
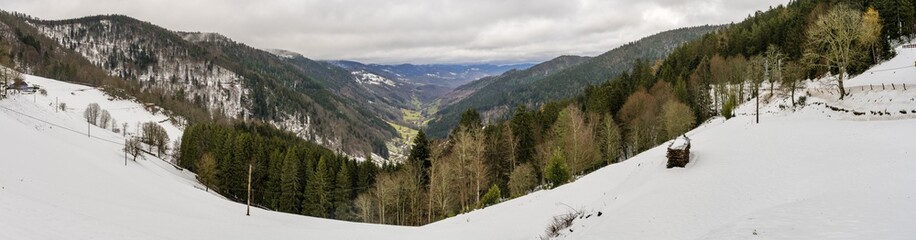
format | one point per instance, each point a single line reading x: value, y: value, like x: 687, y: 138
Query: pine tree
x: 343, y: 192
x: 556, y: 172
x: 317, y: 199
x: 522, y: 128
x: 469, y: 119
x: 419, y: 156
x: 272, y: 190
x: 289, y: 183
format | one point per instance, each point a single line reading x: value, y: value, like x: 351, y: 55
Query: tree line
x: 288, y: 173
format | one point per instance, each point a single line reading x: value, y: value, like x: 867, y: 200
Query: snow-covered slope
x: 57, y: 184
x: 801, y: 173
x: 166, y: 66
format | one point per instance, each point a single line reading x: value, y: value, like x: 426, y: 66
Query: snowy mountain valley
x: 802, y: 173
x: 292, y: 120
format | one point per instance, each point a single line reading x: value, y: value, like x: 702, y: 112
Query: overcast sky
x: 417, y: 31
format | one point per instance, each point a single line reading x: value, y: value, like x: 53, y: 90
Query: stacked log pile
x: 679, y: 152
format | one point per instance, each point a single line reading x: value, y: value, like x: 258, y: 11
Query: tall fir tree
x: 522, y: 127
x: 317, y: 199
x: 419, y: 156
x: 272, y: 190
x: 343, y: 192
x: 289, y: 183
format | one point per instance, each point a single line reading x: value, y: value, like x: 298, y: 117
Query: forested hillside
x: 384, y: 98
x: 500, y: 95
x: 200, y: 77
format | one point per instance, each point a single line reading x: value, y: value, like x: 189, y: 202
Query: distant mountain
x: 444, y: 75
x: 563, y: 77
x: 383, y: 96
x: 198, y: 76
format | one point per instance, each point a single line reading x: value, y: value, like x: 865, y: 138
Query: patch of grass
x: 406, y: 133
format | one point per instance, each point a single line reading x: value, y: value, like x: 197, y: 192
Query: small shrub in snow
x: 802, y: 100
x: 729, y: 107
x: 557, y: 172
x: 491, y: 197
x: 559, y: 223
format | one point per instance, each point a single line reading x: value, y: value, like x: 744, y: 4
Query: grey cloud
x: 417, y: 31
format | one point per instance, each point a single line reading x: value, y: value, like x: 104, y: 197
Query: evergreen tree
x: 317, y: 199
x: 366, y: 175
x: 556, y: 172
x: 272, y: 189
x: 469, y: 119
x: 226, y: 171
x: 343, y: 192
x: 289, y: 183
x: 419, y: 156
x: 522, y: 127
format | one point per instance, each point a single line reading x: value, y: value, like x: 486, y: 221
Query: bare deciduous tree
x: 133, y: 148
x: 835, y: 40
x: 104, y: 119
x: 577, y: 138
x: 92, y: 113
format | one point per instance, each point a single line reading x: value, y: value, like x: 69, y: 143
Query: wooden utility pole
x: 125, y: 152
x: 766, y: 77
x: 248, y: 213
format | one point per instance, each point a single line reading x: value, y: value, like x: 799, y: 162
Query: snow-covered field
x: 803, y: 173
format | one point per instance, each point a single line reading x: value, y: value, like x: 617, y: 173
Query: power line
x: 890, y: 69
x: 59, y: 126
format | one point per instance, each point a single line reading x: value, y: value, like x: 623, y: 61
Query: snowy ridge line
x: 65, y: 128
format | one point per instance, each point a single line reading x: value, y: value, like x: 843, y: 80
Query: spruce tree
x: 419, y: 156
x: 522, y: 127
x: 289, y: 183
x: 272, y: 190
x: 223, y: 154
x: 317, y: 199
x: 343, y: 191
x: 469, y: 119
x: 556, y: 172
